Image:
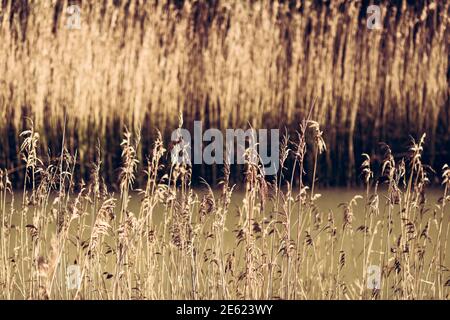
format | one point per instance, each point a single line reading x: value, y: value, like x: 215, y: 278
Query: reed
x: 177, y: 243
x: 142, y: 62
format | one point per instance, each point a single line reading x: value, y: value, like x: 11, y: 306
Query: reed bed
x: 227, y: 63
x: 283, y: 245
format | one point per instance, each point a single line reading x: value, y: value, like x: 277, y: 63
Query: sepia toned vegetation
x: 86, y: 177
x: 227, y: 63
x: 177, y: 243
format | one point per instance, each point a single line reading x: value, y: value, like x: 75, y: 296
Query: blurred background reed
x: 230, y: 64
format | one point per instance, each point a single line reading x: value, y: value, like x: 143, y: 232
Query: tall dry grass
x: 226, y: 63
x: 174, y: 244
